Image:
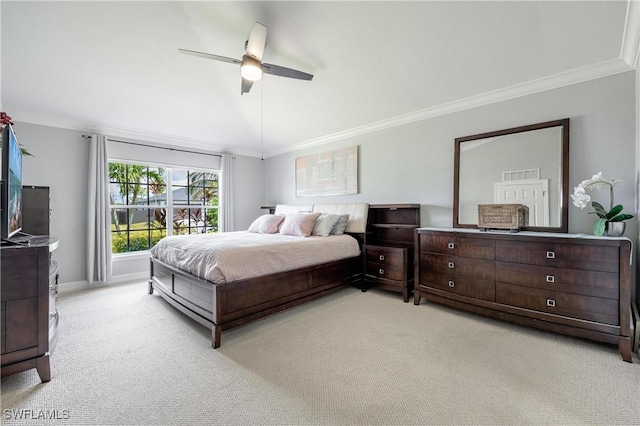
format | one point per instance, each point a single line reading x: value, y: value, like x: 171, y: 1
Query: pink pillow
x: 299, y: 225
x: 266, y: 224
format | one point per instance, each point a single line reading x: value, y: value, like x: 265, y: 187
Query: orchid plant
x: 5, y: 120
x: 581, y: 200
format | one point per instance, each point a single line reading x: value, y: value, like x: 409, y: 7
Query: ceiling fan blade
x: 257, y: 40
x: 246, y: 86
x: 285, y: 72
x: 209, y: 56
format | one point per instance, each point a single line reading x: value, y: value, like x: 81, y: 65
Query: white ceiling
x: 114, y: 67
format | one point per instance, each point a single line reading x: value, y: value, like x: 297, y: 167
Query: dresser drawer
x: 559, y: 303
x: 449, y: 243
x: 573, y: 281
x: 573, y: 256
x: 390, y: 272
x: 20, y: 274
x: 455, y: 265
x: 465, y: 286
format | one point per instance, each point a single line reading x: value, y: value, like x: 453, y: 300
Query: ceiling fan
x: 251, y: 65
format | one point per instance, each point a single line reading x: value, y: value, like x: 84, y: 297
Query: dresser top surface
x: 523, y: 234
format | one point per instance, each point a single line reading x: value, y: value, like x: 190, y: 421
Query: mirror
x: 524, y: 165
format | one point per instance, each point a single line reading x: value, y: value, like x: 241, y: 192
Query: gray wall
x: 60, y: 161
x: 413, y: 163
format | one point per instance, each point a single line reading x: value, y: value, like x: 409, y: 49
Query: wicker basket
x: 502, y: 216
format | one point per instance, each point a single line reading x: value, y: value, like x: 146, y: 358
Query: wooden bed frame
x: 225, y: 306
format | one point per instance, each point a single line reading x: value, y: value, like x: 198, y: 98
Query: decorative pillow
x: 325, y: 224
x: 299, y: 225
x: 341, y: 225
x: 266, y: 224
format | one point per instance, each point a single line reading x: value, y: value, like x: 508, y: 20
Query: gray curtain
x: 98, y: 213
x: 225, y: 213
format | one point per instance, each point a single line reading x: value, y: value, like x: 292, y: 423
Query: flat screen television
x: 11, y: 199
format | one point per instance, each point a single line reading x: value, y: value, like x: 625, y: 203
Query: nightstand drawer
x: 384, y: 256
x: 390, y: 272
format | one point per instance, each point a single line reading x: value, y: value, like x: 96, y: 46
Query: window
x: 148, y: 203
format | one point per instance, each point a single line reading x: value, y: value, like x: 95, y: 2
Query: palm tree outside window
x: 148, y: 203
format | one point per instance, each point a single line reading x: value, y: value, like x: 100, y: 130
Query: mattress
x: 231, y: 256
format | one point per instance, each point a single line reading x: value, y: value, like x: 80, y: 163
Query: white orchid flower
x: 580, y: 197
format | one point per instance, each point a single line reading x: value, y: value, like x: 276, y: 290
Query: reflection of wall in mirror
x: 483, y: 161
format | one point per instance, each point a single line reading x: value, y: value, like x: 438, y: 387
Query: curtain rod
x: 157, y: 147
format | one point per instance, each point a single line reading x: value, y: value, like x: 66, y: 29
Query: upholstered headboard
x: 357, y: 212
x: 293, y: 208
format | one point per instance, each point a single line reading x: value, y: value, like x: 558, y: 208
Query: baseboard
x: 72, y: 286
x: 635, y: 328
x: 119, y: 279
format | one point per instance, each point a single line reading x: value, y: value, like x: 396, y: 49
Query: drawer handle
x: 451, y: 284
x: 381, y: 271
x: 551, y: 279
x: 382, y: 257
x: 451, y: 265
x: 451, y: 245
x: 551, y: 255
x: 551, y: 303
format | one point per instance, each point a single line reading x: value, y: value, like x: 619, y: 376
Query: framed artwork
x: 328, y: 173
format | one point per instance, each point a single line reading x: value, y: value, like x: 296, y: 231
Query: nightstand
x: 388, y: 248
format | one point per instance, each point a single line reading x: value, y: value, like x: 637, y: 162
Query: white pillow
x: 299, y: 225
x: 266, y: 224
x: 324, y: 224
x: 341, y: 225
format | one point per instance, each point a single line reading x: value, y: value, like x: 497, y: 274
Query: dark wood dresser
x: 388, y: 249
x: 571, y: 284
x: 29, y: 316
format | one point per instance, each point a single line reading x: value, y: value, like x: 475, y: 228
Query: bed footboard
x: 225, y: 306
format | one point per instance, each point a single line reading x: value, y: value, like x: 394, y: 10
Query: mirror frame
x: 564, y: 197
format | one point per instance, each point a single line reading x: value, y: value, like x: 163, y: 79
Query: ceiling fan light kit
x: 251, y: 66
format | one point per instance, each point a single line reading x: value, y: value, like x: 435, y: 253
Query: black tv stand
x: 22, y: 239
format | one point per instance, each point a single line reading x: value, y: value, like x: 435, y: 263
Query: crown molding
x: 603, y: 69
x: 630, y: 49
x: 112, y: 132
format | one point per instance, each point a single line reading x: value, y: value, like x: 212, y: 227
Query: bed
x: 258, y: 273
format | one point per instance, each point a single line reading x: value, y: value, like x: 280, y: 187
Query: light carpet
x: 125, y: 357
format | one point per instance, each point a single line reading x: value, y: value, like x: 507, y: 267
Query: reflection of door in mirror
x: 483, y: 161
x: 525, y: 187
